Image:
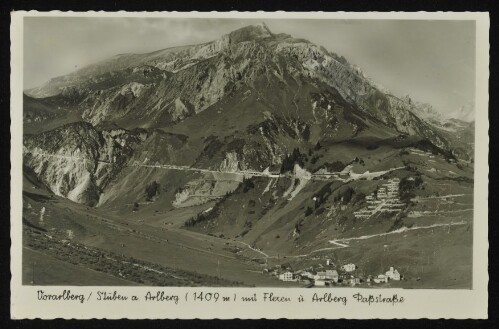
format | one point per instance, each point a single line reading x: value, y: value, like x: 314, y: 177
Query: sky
x: 432, y: 61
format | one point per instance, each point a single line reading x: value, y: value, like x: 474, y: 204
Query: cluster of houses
x: 319, y: 278
x: 391, y: 274
x: 385, y: 199
x: 329, y: 276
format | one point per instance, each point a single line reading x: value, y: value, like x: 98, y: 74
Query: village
x: 384, y: 200
x: 331, y: 275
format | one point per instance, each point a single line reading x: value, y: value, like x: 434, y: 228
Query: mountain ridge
x: 265, y: 94
x: 214, y: 48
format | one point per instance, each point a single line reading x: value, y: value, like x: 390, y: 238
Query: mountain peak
x: 250, y: 32
x: 465, y: 113
x: 264, y: 26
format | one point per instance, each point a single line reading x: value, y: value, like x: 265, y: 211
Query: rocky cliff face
x: 77, y: 161
x: 169, y: 85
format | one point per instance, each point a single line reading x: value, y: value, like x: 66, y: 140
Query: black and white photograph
x: 249, y: 152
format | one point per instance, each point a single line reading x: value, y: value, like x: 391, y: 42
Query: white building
x: 393, y: 274
x: 348, y: 267
x: 381, y: 279
x: 328, y: 275
x: 319, y: 283
x: 320, y: 276
x: 287, y: 276
x: 332, y: 275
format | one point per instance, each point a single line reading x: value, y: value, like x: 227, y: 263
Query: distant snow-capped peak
x: 464, y: 113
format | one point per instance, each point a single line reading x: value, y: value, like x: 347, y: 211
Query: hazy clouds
x: 433, y: 61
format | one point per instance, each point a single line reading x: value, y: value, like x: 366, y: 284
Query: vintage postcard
x: 249, y: 165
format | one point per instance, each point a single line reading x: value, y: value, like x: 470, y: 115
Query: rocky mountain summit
x: 242, y: 102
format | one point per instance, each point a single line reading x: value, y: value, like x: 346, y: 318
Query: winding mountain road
x: 244, y: 173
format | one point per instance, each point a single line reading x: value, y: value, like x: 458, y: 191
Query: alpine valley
x: 237, y: 161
